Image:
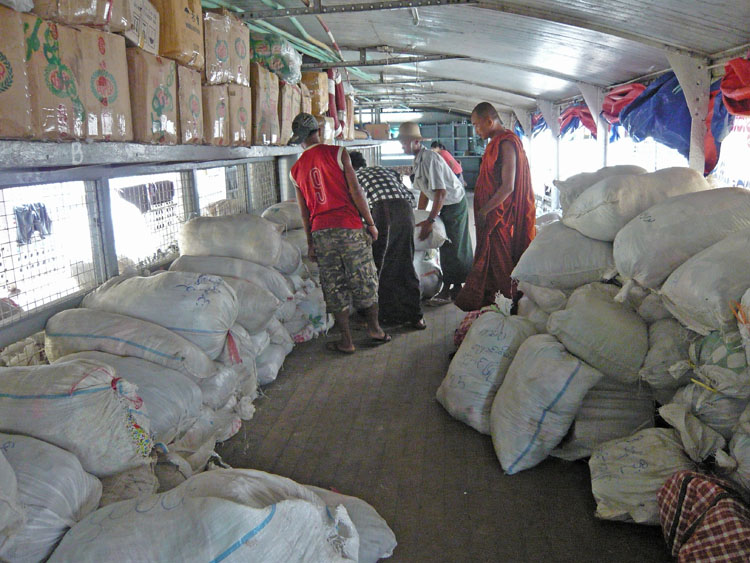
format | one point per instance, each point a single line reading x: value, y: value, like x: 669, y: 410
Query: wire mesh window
x: 147, y: 212
x: 221, y: 191
x: 45, y: 246
x: 264, y: 186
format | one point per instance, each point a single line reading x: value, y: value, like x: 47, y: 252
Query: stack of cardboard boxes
x: 161, y: 73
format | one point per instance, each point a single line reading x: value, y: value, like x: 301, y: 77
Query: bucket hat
x: 410, y: 130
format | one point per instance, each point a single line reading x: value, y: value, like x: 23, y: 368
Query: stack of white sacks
x: 575, y: 374
x: 158, y: 369
x: 427, y: 256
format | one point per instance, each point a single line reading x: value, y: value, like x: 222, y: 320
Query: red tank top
x: 319, y: 175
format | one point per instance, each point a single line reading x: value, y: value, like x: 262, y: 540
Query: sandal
x: 333, y: 346
x: 378, y: 341
x: 418, y: 325
x: 439, y: 301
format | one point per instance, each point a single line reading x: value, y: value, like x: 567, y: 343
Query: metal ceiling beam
x: 422, y: 80
x: 318, y: 8
x: 556, y: 17
x: 383, y: 62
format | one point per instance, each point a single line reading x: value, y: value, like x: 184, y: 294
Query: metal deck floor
x: 368, y: 425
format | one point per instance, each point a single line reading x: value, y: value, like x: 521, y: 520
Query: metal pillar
x: 694, y: 78
x: 594, y: 98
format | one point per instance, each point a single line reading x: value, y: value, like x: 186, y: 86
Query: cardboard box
x: 317, y: 83
x: 181, y: 31
x: 381, y: 131
x: 57, y: 112
x: 239, y: 56
x: 153, y: 97
x: 216, y: 36
x: 329, y: 130
x: 144, y: 26
x: 216, y: 115
x: 15, y: 99
x: 104, y: 85
x: 306, y: 99
x: 265, y: 96
x: 109, y: 15
x: 189, y: 105
x: 289, y: 103
x: 240, y: 112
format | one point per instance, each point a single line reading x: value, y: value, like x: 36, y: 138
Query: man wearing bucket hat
x: 437, y: 183
x: 332, y: 205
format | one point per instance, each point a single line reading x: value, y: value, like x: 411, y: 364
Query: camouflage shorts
x: 347, y: 270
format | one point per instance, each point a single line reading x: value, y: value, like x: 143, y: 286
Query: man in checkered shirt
x: 391, y: 206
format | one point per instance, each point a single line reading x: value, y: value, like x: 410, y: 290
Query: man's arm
x: 507, y: 180
x: 357, y: 194
x: 423, y: 201
x: 305, y: 214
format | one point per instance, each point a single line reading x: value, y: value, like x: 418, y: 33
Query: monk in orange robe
x: 504, y: 212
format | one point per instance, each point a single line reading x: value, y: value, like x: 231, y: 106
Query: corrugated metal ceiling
x: 519, y: 52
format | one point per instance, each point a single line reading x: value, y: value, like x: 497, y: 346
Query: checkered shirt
x: 703, y: 519
x: 381, y: 184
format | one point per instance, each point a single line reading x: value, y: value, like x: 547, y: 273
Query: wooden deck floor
x: 369, y: 425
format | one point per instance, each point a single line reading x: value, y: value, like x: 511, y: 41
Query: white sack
x: 739, y: 448
x: 298, y: 239
x: 80, y: 330
x: 536, y: 403
x: 133, y: 483
x: 698, y: 440
x: 562, y: 258
x: 243, y: 347
x: 171, y: 470
x: 286, y: 213
x: 607, y: 206
x: 290, y: 258
x: 269, y: 362
x: 701, y: 291
x: 604, y: 333
x: 55, y: 491
x: 172, y: 400
x: 427, y: 267
x: 652, y: 309
x: 718, y: 411
x: 547, y: 219
x: 257, y: 306
x: 243, y: 236
x: 220, y: 515
x: 575, y: 185
x: 376, y: 539
x: 479, y: 366
x: 720, y: 349
x: 743, y: 322
x: 228, y: 268
x: 651, y: 246
x: 437, y: 237
x: 197, y: 444
x: 626, y: 474
x: 277, y: 335
x: 528, y: 309
x: 548, y: 299
x: 11, y: 512
x: 79, y: 407
x: 198, y: 307
x: 669, y: 342
x: 216, y: 390
x: 609, y: 410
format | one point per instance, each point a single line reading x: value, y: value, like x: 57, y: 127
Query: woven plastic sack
x: 290, y: 258
x: 257, y: 306
x: 427, y: 267
x: 607, y: 206
x: 229, y: 268
x: 172, y: 400
x: 80, y: 406
x: 698, y: 440
x: 669, y: 343
x: 222, y: 515
x: 269, y: 362
x: 548, y: 299
x: 626, y: 474
x: 248, y: 237
x: 651, y: 246
x: 701, y: 291
x: 479, y: 367
x: 286, y: 213
x: 241, y: 347
x: 561, y: 257
x: 437, y: 237
x: 715, y: 409
x: 610, y: 410
x: 575, y: 185
x: 298, y: 239
x: 79, y: 330
x: 528, y: 309
x: 11, y: 512
x: 55, y: 492
x: 652, y: 309
x: 198, y: 307
x: 133, y: 483
x: 537, y: 402
x: 608, y: 335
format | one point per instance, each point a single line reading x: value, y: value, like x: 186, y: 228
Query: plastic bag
x: 277, y: 55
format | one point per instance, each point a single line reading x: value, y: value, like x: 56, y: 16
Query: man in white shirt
x: 437, y: 183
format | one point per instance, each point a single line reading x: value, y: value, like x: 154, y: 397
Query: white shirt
x: 432, y: 173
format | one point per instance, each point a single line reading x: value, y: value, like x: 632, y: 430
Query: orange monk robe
x: 507, y: 231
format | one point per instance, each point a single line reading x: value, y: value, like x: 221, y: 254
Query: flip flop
x: 418, y: 325
x: 378, y: 341
x: 438, y: 301
x: 333, y: 346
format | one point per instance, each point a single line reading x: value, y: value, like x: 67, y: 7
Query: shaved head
x: 485, y: 110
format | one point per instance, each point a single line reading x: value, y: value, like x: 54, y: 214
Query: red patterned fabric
x: 463, y: 328
x: 618, y: 99
x: 735, y: 86
x: 703, y: 519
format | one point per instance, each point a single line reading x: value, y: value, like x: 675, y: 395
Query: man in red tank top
x: 332, y: 205
x: 504, y: 212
